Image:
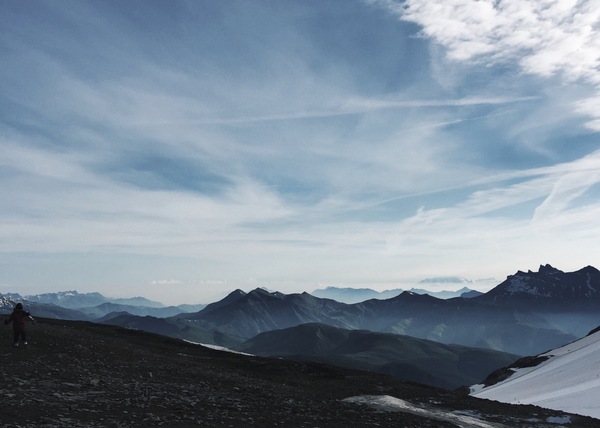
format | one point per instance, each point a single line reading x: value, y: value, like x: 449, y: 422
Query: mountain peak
x: 591, y: 270
x: 230, y: 299
x: 548, y: 269
x: 260, y: 290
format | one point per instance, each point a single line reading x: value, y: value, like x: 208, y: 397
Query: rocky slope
x: 76, y: 374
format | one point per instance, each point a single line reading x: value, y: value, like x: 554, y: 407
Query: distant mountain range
x: 90, y: 306
x: 75, y: 300
x: 356, y: 295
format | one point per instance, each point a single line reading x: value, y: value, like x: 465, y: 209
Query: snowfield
x: 569, y: 380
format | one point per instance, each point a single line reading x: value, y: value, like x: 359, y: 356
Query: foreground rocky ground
x: 76, y: 374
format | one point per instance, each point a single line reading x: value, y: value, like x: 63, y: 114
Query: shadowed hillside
x: 418, y: 360
x: 77, y: 374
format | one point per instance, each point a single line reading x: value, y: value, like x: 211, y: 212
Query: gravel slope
x: 76, y: 374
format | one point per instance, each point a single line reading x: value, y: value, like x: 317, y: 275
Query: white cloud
x: 570, y: 185
x: 545, y: 38
x: 166, y: 282
x: 533, y: 215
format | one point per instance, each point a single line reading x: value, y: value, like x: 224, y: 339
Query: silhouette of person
x: 18, y: 317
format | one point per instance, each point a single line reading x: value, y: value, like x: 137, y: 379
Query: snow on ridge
x: 569, y: 380
x: 591, y: 288
x: 217, y: 348
x: 520, y: 284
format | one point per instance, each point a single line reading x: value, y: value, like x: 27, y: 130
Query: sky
x: 181, y: 150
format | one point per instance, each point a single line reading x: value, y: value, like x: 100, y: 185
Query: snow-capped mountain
x: 90, y: 306
x: 6, y: 303
x: 566, y: 378
x: 75, y: 300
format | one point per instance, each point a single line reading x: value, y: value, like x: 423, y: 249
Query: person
x: 18, y: 317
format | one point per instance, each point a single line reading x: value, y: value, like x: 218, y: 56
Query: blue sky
x: 183, y: 149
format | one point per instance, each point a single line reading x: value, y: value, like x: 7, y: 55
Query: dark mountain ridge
x: 90, y: 306
x: 75, y: 300
x: 245, y: 315
x: 548, y: 288
x: 570, y: 301
x: 405, y: 357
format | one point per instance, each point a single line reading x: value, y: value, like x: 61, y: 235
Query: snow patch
x: 559, y: 419
x: 520, y: 284
x: 393, y: 404
x: 217, y: 348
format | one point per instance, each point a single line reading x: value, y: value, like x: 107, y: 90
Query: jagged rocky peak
x: 548, y: 269
x: 550, y: 282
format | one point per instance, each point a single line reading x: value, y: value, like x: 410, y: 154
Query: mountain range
x: 75, y: 300
x: 91, y: 306
x: 461, y: 321
x: 527, y: 314
x: 356, y: 295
